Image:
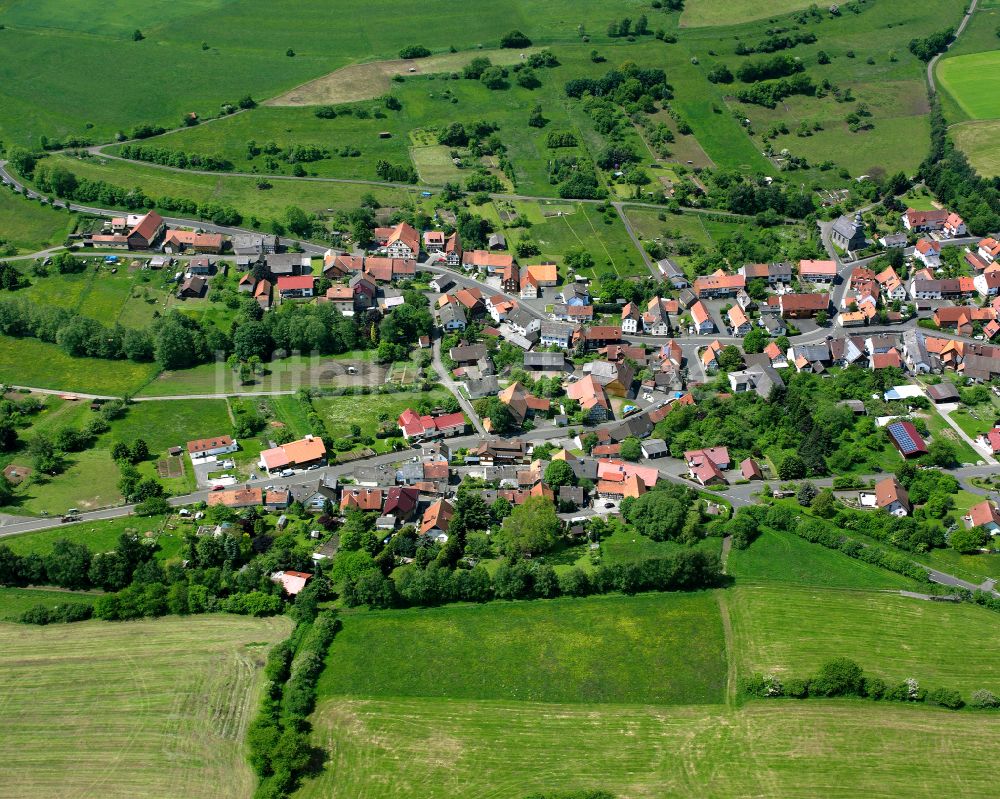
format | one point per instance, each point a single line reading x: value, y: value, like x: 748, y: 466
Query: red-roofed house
x: 416, y: 427
x: 954, y: 226
x: 928, y: 252
x: 750, y: 470
x: 363, y: 499
x: 293, y: 286
x: 817, y: 271
x: 924, y: 221
x: 891, y: 497
x: 291, y: 582
x: 718, y: 284
x: 146, y: 232
x: 401, y: 241
x: 207, y: 447
x: 984, y: 514
x: 296, y: 454
x: 436, y: 520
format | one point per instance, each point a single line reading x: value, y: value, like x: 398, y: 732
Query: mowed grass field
x: 701, y: 13
x: 790, y: 631
x: 15, y: 601
x: 648, y: 649
x: 971, y: 80
x: 138, y: 709
x: 779, y: 557
x: 29, y: 362
x: 405, y: 748
x: 31, y: 226
x: 980, y: 141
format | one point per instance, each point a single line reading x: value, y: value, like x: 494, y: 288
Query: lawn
x: 780, y: 557
x: 15, y: 601
x: 648, y: 649
x: 137, y: 709
x: 340, y: 412
x: 790, y: 631
x: 99, y: 536
x: 31, y: 226
x: 971, y: 81
x: 406, y: 748
x: 980, y: 141
x: 89, y: 481
x: 170, y: 423
x: 626, y: 545
x: 939, y: 427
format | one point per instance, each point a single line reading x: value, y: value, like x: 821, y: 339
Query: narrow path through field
x: 727, y: 631
x: 727, y: 545
x: 932, y: 64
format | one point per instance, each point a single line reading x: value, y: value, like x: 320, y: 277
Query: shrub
x: 796, y: 688
x: 946, y: 697
x: 985, y: 700
x: 414, y: 51
x: 838, y: 677
x: 514, y: 40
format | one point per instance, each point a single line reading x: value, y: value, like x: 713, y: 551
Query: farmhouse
x: 801, y: 306
x: 146, y: 231
x: 183, y: 240
x: 924, y: 221
x: 718, y: 284
x: 984, y: 514
x: 238, y: 498
x: 279, y: 264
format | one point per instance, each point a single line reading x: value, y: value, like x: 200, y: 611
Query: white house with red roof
x: 295, y: 455
x: 985, y: 515
x: 954, y: 226
x: 813, y: 271
x: 928, y: 252
x: 210, y: 447
x: 291, y: 582
x: 401, y: 241
x: 415, y: 426
x: 295, y: 286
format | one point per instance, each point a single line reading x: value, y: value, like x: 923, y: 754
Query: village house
x: 812, y: 271
x: 146, y: 231
x: 987, y: 283
x: 739, y: 325
x: 616, y: 378
x: 673, y: 274
x: 928, y: 252
x: 288, y: 264
x: 237, y: 498
x: 718, y: 284
x: 773, y: 274
x: 436, y: 520
x: 984, y: 514
x: 954, y: 226
x: 177, y: 241
x: 544, y: 275
x: 631, y: 318
x: 758, y: 378
x: 400, y: 241
x: 656, y: 319
x: 924, y: 221
x: 361, y: 498
x: 554, y: 334
x: 486, y: 261
x: 202, y: 448
x: 703, y: 324
x: 416, y: 427
x: 521, y: 403
x: 295, y: 455
x: 293, y: 287
x: 750, y: 470
x: 247, y: 283
x: 262, y: 293
x: 192, y: 287
x: 707, y: 465
x: 592, y: 397
x: 891, y: 497
x: 802, y: 306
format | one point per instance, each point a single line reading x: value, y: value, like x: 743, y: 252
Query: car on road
x: 217, y: 488
x: 287, y: 472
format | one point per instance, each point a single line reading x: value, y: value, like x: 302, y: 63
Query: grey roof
x: 654, y: 446
x: 287, y: 263
x: 573, y: 494
x: 669, y: 268
x: 544, y: 360
x: 496, y: 240
x: 773, y: 324
x: 519, y: 318
x: 485, y: 386
x: 846, y: 226
x: 467, y: 353
x: 452, y: 312
x: 894, y: 239
x: 813, y: 352
x: 638, y: 426
x: 945, y: 390
x: 554, y: 330
x: 584, y: 468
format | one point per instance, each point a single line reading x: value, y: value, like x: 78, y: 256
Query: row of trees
x: 842, y: 677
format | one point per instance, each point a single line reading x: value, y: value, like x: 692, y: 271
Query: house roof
x: 406, y: 234
x: 237, y: 498
x: 304, y: 450
x: 437, y: 516
x: 547, y: 273
x: 906, y: 438
x: 750, y: 469
x: 888, y: 491
x: 364, y: 499
x: 291, y: 582
x: 295, y: 283
x: 203, y: 444
x: 485, y: 258
x: 147, y: 226
x: 809, y: 266
x: 984, y: 513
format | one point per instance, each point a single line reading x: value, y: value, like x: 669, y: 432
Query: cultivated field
x: 137, y: 709
x: 15, y: 601
x: 979, y: 141
x: 649, y: 649
x: 404, y: 748
x: 791, y: 631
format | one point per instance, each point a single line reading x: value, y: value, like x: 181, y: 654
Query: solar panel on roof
x: 901, y: 433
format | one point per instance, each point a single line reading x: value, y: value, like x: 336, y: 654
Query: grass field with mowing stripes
x: 135, y: 709
x: 406, y: 748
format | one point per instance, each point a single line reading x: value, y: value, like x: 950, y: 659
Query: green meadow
x: 971, y: 80
x: 30, y: 226
x: 790, y: 631
x: 649, y: 649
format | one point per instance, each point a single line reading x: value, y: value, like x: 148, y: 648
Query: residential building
x: 288, y: 264
x: 758, y: 378
x: 400, y: 241
x: 750, y: 470
x: 928, y: 252
x: 177, y: 241
x: 984, y: 514
x: 718, y: 284
x: 891, y: 497
x: 616, y: 378
x: 521, y: 403
x: 673, y: 274
x: 452, y: 317
x: 545, y: 275
x: 656, y: 319
x: 906, y: 439
x: 631, y: 318
x: 813, y: 271
x: 146, y: 231
x: 237, y: 498
x: 416, y: 427
x: 486, y: 261
x: 592, y: 398
x: 738, y: 322
x: 202, y: 448
x: 295, y: 286
x: 803, y: 306
x: 362, y: 498
x: 703, y: 324
x: 294, y: 455
x: 924, y: 221
x: 436, y: 520
x: 552, y: 333
x: 954, y: 226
